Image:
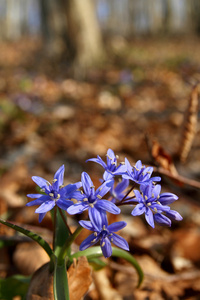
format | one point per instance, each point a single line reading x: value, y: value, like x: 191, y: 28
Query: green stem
x: 64, y: 251
x: 60, y: 284
x: 54, y: 227
x: 64, y: 220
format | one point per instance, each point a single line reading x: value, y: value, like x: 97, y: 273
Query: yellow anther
x: 98, y: 196
x: 91, y: 205
x: 103, y: 244
x: 158, y: 202
x: 117, y: 156
x: 51, y: 194
x: 149, y: 204
x: 54, y: 180
x: 152, y: 196
x: 155, y: 209
x: 95, y: 233
x: 85, y: 199
x: 145, y: 197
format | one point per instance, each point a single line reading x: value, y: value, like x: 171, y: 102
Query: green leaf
x: 60, y: 282
x: 31, y: 235
x: 96, y: 263
x: 16, y: 285
x: 61, y: 232
x: 96, y: 252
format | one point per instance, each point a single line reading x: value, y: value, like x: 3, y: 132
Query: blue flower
x: 55, y: 193
x: 153, y: 204
x: 117, y: 192
x: 91, y: 199
x: 139, y: 173
x: 105, y: 234
x: 111, y: 168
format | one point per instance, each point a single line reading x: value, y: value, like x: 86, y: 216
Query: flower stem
x: 64, y: 220
x: 124, y: 198
x: 68, y: 243
x: 54, y: 227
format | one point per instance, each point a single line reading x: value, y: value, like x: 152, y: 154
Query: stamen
x: 94, y: 240
x: 54, y: 180
x: 92, y: 187
x: 91, y: 205
x: 58, y: 196
x: 100, y: 189
x: 117, y: 156
x: 51, y: 194
x: 95, y: 233
x: 158, y: 202
x: 109, y: 157
x: 85, y: 199
x: 155, y: 209
x: 61, y: 186
x: 111, y: 239
x: 103, y: 244
x: 48, y: 183
x: 152, y: 195
x: 136, y: 168
x: 42, y: 190
x: 158, y: 196
x: 98, y: 196
x: 122, y: 163
x: 145, y: 197
x: 149, y: 204
x: 104, y: 227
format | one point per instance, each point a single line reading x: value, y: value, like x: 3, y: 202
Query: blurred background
x: 79, y: 77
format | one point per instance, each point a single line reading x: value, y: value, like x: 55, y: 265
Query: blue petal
x: 68, y: 189
x: 41, y: 182
x: 34, y: 195
x: 138, y: 210
x: 138, y: 164
x: 76, y: 195
x: 95, y: 217
x: 107, y: 176
x: 64, y: 204
x: 167, y: 198
x: 77, y: 208
x: 87, y: 183
x: 106, y: 247
x: 89, y: 241
x: 104, y: 188
x: 149, y: 217
x: 138, y: 196
x: 174, y: 215
x: 162, y: 220
x: 59, y: 176
x: 122, y: 186
x: 108, y: 206
x: 38, y: 201
x: 156, y: 178
x: 116, y: 226
x: 41, y: 217
x: 98, y: 160
x: 128, y: 166
x: 46, y: 206
x: 87, y: 224
x: 119, y: 241
x: 121, y: 169
x: 110, y: 158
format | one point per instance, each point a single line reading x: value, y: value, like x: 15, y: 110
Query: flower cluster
x: 82, y: 196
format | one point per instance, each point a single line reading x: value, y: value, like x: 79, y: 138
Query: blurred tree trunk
x: 74, y: 23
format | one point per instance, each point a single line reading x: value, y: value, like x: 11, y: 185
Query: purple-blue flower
x: 91, y: 199
x: 117, y: 192
x: 111, y: 168
x: 55, y: 193
x: 105, y: 234
x: 153, y: 204
x: 139, y: 173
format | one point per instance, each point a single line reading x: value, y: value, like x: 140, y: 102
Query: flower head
x: 139, y: 173
x: 91, y: 199
x: 105, y: 234
x: 117, y: 192
x: 153, y: 204
x: 111, y: 168
x: 53, y: 194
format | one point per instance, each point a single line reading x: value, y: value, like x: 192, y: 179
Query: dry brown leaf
x: 162, y: 158
x: 79, y: 279
x: 190, y: 125
x: 107, y: 292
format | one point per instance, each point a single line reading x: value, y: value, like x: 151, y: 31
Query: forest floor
x: 136, y: 104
